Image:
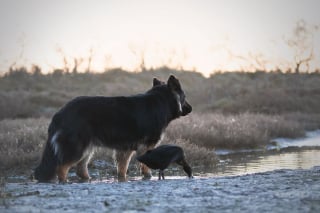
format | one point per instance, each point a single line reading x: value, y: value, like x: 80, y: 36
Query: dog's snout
x: 186, y: 109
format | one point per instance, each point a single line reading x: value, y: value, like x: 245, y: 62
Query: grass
x: 230, y: 110
x: 246, y: 130
x: 260, y: 92
x: 22, y: 140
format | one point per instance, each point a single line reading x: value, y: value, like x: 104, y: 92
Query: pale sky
x: 204, y: 35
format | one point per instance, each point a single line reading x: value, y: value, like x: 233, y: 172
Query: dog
x: 162, y: 156
x: 123, y: 123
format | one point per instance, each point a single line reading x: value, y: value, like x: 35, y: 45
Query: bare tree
x: 90, y: 58
x: 64, y: 59
x: 35, y: 70
x: 77, y: 63
x: 140, y: 54
x: 301, y: 42
x: 254, y: 61
x: 259, y: 61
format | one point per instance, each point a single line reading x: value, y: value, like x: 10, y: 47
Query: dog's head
x: 184, y: 108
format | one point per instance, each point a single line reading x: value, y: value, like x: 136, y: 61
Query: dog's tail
x: 46, y: 170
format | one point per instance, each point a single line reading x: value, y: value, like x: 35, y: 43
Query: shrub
x: 22, y: 140
x: 261, y: 92
x: 245, y: 130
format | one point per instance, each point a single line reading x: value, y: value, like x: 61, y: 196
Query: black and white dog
x: 125, y: 124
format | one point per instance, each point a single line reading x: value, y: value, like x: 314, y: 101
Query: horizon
x: 204, y: 36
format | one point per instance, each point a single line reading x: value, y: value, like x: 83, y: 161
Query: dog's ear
x: 173, y: 83
x: 156, y: 82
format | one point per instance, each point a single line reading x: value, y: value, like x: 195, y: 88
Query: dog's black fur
x: 122, y: 123
x: 162, y: 156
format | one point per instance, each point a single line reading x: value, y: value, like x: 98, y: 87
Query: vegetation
x: 25, y: 94
x: 231, y: 110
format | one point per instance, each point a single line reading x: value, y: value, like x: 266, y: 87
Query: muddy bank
x: 275, y: 191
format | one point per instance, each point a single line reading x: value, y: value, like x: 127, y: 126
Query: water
x: 303, y: 153
x: 276, y: 191
x: 312, y: 139
x: 256, y: 162
x: 273, y: 191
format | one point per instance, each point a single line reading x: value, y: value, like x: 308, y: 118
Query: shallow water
x: 312, y: 139
x: 249, y: 163
x: 302, y: 153
x: 276, y: 179
x: 276, y: 191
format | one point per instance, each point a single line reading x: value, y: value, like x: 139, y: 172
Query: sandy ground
x: 276, y: 191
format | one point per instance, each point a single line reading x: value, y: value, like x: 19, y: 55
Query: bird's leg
x: 161, y: 174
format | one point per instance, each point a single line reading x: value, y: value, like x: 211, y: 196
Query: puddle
x: 280, y: 179
x: 312, y: 139
x: 283, y: 153
x: 249, y: 163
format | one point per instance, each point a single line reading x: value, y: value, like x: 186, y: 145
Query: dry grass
x: 231, y: 110
x: 260, y: 92
x: 235, y: 131
x: 310, y: 121
x: 22, y: 140
x: 263, y: 92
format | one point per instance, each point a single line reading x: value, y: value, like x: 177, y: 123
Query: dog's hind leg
x: 82, y: 167
x: 71, y: 157
x: 122, y: 159
x: 62, y: 171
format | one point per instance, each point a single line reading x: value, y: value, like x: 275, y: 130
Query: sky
x: 202, y: 35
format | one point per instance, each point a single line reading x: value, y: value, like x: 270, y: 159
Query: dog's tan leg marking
x: 82, y: 168
x: 122, y: 160
x: 62, y: 172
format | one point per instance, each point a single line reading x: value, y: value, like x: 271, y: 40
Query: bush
x: 29, y: 95
x: 22, y: 140
x: 245, y: 130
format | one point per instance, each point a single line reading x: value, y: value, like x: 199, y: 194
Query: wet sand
x: 273, y: 191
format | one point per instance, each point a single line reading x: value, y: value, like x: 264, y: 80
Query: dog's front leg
x: 122, y: 158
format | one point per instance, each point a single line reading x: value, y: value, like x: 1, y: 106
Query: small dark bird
x: 162, y: 156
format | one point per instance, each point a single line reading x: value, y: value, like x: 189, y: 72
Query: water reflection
x: 283, y: 153
x: 303, y: 153
x: 248, y: 163
x: 312, y: 139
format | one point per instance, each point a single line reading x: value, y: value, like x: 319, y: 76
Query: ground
x: 275, y: 191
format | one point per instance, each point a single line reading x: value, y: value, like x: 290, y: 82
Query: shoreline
x: 276, y: 191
